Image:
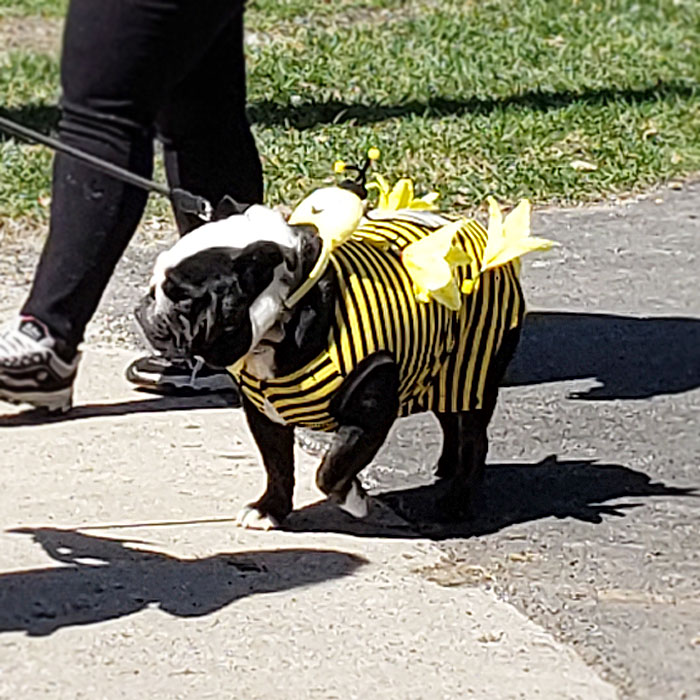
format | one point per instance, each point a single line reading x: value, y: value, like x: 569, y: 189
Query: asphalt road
x: 589, y: 525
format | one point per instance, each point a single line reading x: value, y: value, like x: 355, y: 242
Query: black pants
x: 132, y: 69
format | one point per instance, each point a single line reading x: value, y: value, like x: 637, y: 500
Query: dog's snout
x: 152, y: 326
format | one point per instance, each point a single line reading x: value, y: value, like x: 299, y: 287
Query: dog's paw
x: 251, y: 518
x: 356, y: 502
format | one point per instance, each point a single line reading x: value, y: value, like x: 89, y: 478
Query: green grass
x: 470, y: 98
x: 482, y: 98
x: 28, y: 88
x: 23, y: 8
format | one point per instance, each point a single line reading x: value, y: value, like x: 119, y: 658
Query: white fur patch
x: 272, y: 413
x: 251, y: 518
x: 260, y: 362
x: 356, y: 502
x: 258, y: 223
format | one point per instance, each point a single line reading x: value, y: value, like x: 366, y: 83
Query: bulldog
x: 338, y: 342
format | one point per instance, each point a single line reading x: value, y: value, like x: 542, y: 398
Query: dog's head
x: 222, y: 287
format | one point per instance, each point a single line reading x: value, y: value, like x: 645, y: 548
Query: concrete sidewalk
x: 126, y: 577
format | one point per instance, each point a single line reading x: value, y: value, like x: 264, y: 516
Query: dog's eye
x: 175, y: 291
x: 315, y: 210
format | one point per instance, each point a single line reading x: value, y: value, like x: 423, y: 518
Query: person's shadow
x: 105, y: 579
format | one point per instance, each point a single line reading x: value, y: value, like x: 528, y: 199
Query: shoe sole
x: 159, y: 384
x: 56, y: 402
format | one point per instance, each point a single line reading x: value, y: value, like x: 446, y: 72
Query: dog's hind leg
x: 462, y: 461
x: 276, y: 444
x: 465, y: 439
x: 447, y: 464
x: 365, y: 409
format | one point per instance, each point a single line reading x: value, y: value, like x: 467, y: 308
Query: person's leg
x: 207, y: 142
x: 120, y: 62
x: 208, y: 147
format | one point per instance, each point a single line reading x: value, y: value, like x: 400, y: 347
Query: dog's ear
x: 228, y: 206
x: 255, y: 267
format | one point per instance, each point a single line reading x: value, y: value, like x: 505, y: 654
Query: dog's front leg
x: 365, y: 409
x: 276, y: 445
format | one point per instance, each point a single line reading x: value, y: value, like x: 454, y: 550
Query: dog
x: 351, y: 353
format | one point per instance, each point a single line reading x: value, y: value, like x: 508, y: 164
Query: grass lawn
x: 557, y: 100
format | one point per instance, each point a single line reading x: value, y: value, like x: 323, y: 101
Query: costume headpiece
x: 431, y: 262
x: 358, y: 185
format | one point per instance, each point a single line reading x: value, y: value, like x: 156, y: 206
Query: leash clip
x: 189, y: 203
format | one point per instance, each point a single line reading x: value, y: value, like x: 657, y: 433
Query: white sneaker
x: 31, y: 371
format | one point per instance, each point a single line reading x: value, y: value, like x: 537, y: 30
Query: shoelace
x: 13, y: 342
x: 196, y: 365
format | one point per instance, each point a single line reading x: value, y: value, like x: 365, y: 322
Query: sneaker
x: 31, y: 369
x: 314, y: 442
x: 178, y: 376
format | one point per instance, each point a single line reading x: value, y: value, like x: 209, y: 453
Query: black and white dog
x: 219, y: 293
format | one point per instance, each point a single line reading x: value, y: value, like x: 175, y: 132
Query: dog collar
x: 316, y: 273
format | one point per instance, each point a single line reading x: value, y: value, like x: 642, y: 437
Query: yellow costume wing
x: 509, y: 239
x: 431, y: 262
x: 401, y: 195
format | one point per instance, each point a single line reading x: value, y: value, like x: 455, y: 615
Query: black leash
x: 182, y: 200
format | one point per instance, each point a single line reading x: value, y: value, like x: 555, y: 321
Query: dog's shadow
x: 512, y: 494
x: 101, y: 579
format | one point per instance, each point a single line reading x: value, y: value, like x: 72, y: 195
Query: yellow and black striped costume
x: 443, y: 355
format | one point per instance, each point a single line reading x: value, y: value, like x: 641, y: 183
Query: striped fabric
x: 443, y: 355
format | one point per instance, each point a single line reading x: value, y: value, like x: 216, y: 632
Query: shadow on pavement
x: 632, y: 358
x: 512, y: 493
x: 106, y: 579
x: 121, y: 408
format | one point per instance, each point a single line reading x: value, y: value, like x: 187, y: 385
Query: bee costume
x: 437, y: 294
